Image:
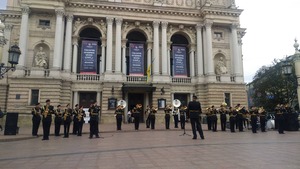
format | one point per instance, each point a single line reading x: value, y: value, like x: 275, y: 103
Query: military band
x: 152, y: 114
x: 223, y: 116
x: 80, y: 118
x: 137, y: 115
x: 58, y: 120
x: 67, y: 118
x: 119, y: 113
x: 253, y: 118
x: 75, y: 119
x: 94, y: 111
x: 232, y: 118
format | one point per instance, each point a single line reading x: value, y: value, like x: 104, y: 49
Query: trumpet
x: 46, y: 111
x: 183, y: 108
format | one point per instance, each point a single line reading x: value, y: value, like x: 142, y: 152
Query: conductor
x: 194, y: 110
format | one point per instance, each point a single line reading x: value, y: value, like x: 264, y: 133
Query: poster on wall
x: 179, y: 61
x: 136, y: 59
x: 88, y: 57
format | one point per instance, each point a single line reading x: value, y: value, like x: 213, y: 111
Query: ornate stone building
x: 142, y: 51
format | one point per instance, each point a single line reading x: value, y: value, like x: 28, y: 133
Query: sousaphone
x: 122, y: 103
x: 176, y: 103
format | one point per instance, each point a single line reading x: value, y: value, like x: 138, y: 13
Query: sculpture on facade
x: 221, y: 67
x: 41, y: 58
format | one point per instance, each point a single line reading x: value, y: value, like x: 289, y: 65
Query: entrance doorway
x: 87, y: 98
x: 136, y: 98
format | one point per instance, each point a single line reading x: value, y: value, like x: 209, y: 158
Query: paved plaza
x: 151, y: 149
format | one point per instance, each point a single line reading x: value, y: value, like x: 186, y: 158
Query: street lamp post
x: 13, y: 57
x: 287, y: 71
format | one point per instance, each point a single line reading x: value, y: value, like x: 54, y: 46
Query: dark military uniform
x: 167, y: 117
x: 67, y: 117
x: 36, y: 120
x: 223, y: 118
x: 75, y: 120
x: 253, y: 119
x: 94, y: 121
x: 208, y: 119
x: 47, y: 112
x: 137, y: 116
x: 239, y: 119
x: 280, y: 120
x: 232, y: 115
x: 175, y: 115
x: 119, y: 115
x: 194, y: 110
x: 262, y: 119
x: 57, y: 121
x: 152, y: 117
x: 147, y: 114
x: 214, y: 119
x: 182, y: 117
x: 80, y: 117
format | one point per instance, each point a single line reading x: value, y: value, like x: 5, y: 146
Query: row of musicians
x: 62, y: 116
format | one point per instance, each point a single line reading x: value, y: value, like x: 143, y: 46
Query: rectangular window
x: 44, y: 22
x: 227, y: 99
x: 35, y: 93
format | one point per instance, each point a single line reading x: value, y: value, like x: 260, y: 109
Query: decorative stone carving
x: 90, y: 21
x: 102, y: 26
x: 221, y: 66
x: 59, y: 12
x: 41, y: 59
x: 77, y: 24
x: 149, y: 30
x: 25, y: 10
x: 179, y: 2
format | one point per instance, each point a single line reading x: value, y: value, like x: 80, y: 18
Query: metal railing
x: 181, y: 80
x: 82, y: 77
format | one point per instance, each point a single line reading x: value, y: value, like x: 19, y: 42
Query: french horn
x: 176, y: 103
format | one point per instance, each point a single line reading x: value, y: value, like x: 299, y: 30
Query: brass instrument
x: 138, y: 106
x: 176, y: 103
x: 66, y: 115
x: 46, y: 111
x: 122, y: 103
x: 183, y: 108
x: 261, y: 110
x: 80, y: 115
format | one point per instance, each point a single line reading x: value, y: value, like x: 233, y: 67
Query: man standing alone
x: 194, y: 110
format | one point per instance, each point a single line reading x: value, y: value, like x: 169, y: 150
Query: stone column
x: 155, y: 48
x: 124, y: 41
x: 7, y: 34
x: 75, y: 98
x: 2, y: 40
x: 149, y: 55
x: 23, y: 35
x: 109, y: 21
x: 75, y: 54
x: 68, y: 44
x: 199, y: 50
x: 192, y: 60
x: 209, y: 55
x: 235, y: 52
x: 103, y: 47
x: 164, y: 51
x: 57, y: 42
x: 118, y: 47
x: 169, y: 57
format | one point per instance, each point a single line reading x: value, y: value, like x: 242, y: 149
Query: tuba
x: 122, y: 103
x: 176, y: 103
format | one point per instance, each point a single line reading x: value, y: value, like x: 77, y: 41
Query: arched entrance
x: 179, y: 59
x: 89, y: 58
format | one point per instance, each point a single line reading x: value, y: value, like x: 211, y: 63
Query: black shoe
x: 194, y: 138
x: 90, y: 137
x: 97, y: 137
x: 202, y: 138
x: 45, y: 139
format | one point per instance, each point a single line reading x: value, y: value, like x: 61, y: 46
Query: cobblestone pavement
x: 152, y: 149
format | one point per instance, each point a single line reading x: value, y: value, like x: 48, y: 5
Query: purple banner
x: 88, y: 57
x: 136, y: 59
x: 179, y: 61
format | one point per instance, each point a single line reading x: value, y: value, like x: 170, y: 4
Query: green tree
x: 272, y: 87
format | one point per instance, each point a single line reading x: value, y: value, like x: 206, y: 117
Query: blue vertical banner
x: 136, y: 59
x: 88, y: 57
x: 179, y: 61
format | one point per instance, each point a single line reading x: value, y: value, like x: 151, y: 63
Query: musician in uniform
x: 262, y: 119
x: 239, y: 118
x: 214, y: 118
x: 136, y: 114
x: 194, y: 110
x: 182, y: 116
x: 223, y: 116
x: 94, y: 111
x: 36, y: 119
x: 67, y: 117
x: 119, y: 113
x: 47, y: 112
x: 168, y: 111
x: 75, y: 119
x: 253, y: 118
x: 232, y: 114
x: 208, y: 118
x: 80, y: 116
x: 58, y: 120
x: 152, y: 113
x: 280, y: 119
x: 147, y: 114
x: 175, y: 115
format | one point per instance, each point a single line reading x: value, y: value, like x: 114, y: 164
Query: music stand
x: 184, y: 133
